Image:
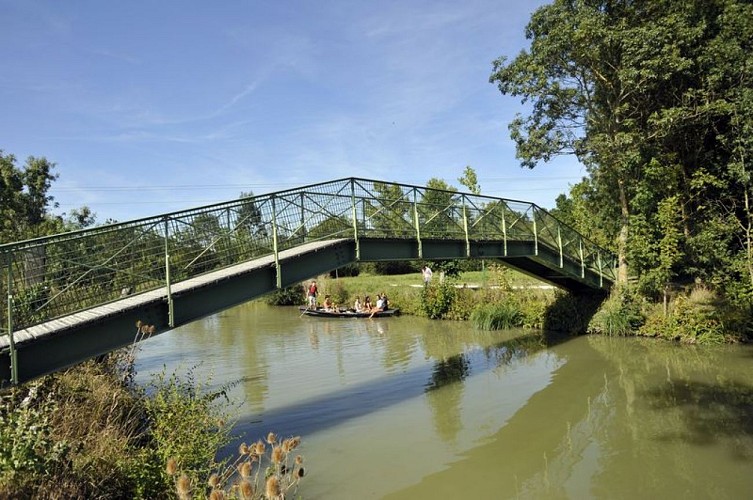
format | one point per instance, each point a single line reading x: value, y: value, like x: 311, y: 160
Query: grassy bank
x: 502, y: 298
x: 490, y: 299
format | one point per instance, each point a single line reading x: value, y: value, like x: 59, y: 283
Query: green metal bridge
x: 76, y: 295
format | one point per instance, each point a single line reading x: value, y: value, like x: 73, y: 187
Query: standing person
x: 426, y: 272
x: 312, y: 291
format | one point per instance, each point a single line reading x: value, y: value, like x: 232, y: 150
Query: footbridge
x: 73, y: 296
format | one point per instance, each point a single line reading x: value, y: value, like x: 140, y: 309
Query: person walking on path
x: 426, y: 272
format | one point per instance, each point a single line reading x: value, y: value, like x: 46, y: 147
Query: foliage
x: 179, y: 409
x: 25, y: 198
x: 497, y: 315
x: 470, y: 180
x: 437, y: 299
x: 655, y: 99
x: 338, y: 291
x: 391, y: 267
x: 698, y: 317
x: 89, y: 433
x: 289, y: 296
x: 620, y: 314
x: 347, y: 270
x: 258, y: 472
x: 27, y: 447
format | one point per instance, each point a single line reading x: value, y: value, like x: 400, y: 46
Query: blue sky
x: 154, y: 106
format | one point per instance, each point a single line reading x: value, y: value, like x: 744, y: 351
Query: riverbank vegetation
x: 655, y: 99
x: 91, y: 432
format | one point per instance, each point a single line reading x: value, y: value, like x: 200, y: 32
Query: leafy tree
x: 390, y: 213
x: 470, y: 180
x: 645, y: 94
x: 24, y: 198
x: 437, y: 209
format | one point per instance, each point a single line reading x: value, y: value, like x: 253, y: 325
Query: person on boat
x: 311, y: 295
x: 357, y: 307
x: 367, y: 303
x: 329, y: 306
x: 379, y: 306
x: 385, y: 302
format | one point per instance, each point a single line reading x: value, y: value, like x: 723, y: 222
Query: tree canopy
x: 654, y: 99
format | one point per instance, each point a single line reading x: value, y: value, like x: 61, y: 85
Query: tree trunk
x: 749, y: 235
x: 622, y: 238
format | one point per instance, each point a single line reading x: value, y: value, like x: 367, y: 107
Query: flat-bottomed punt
x: 320, y: 312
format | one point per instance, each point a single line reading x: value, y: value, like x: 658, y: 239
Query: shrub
x: 289, y: 296
x: 618, y: 315
x: 89, y: 433
x: 436, y: 300
x: 339, y: 293
x: 462, y: 306
x: 688, y: 321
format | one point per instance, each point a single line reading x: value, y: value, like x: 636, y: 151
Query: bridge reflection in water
x: 80, y: 294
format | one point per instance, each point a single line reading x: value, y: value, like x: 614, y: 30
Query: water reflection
x: 408, y: 409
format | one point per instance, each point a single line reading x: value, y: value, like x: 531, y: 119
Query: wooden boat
x: 346, y: 313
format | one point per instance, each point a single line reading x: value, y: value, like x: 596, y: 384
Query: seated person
x: 367, y: 303
x: 329, y: 306
x: 357, y: 307
x: 385, y: 302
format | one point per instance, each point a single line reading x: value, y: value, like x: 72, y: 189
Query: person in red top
x: 312, y: 291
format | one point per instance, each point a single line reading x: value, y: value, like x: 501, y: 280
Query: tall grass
x: 90, y: 432
x: 497, y: 316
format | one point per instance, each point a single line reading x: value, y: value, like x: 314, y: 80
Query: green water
x: 406, y: 408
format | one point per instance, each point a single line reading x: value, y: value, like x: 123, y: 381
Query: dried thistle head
x: 260, y: 448
x: 247, y: 489
x: 272, y: 489
x: 217, y: 495
x: 291, y: 444
x: 277, y: 455
x: 183, y: 486
x: 271, y: 438
x: 298, y: 460
x: 243, y: 449
x: 213, y: 480
x: 244, y: 469
x: 138, y: 324
x: 172, y: 467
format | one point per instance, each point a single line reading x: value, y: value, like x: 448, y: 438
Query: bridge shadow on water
x: 317, y: 414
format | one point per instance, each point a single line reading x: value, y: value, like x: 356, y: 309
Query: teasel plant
x: 266, y: 469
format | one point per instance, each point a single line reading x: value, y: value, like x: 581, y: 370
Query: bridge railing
x: 50, y: 277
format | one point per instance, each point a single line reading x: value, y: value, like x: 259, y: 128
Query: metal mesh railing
x: 50, y: 277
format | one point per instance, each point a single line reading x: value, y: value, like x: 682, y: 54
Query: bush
x: 289, y: 296
x: 89, y: 433
x: 618, y: 315
x: 436, y: 300
x: 695, y: 318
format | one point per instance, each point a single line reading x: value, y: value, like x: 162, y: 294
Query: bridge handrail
x: 52, y: 276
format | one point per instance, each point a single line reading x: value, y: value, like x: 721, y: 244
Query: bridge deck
x: 143, y: 300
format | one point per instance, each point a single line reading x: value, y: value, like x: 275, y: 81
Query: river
x: 407, y: 408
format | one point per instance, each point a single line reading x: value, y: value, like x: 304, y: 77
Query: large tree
x: 24, y: 198
x: 634, y: 91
